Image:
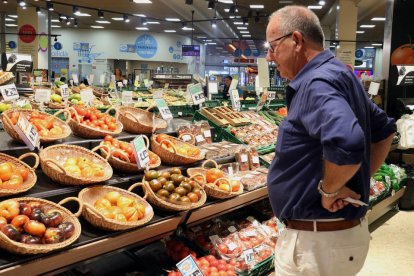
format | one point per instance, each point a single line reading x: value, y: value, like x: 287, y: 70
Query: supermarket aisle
x: 392, y: 246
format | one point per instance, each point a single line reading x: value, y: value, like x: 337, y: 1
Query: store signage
x: 27, y: 132
x: 163, y: 108
x: 9, y: 92
x: 188, y: 267
x: 271, y: 96
x: 127, y: 97
x: 235, y: 99
x: 141, y: 152
x: 64, y: 92
x: 212, y: 87
x: 87, y: 96
x: 373, y: 88
x: 405, y: 75
x: 244, y: 60
x: 75, y: 79
x: 19, y: 63
x: 146, y: 46
x: 42, y: 95
x: 197, y: 93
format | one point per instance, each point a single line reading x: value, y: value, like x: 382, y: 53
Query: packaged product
x: 206, y: 130
x: 242, y: 157
x: 254, y: 161
x: 198, y: 134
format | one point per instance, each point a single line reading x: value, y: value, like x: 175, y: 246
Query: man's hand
x: 334, y: 204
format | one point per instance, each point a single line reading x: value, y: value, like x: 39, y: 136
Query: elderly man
x: 333, y: 139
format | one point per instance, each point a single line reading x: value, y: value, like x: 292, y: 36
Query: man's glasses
x: 269, y: 43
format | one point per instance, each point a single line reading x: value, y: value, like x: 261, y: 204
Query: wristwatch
x: 325, y: 194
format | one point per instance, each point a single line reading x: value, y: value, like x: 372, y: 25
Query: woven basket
x: 210, y: 188
x: 22, y: 248
x: 91, y: 194
x: 183, y: 137
x: 31, y: 178
x: 85, y: 131
x: 53, y: 157
x: 98, y: 92
x: 168, y: 206
x: 139, y: 121
x: 173, y: 158
x: 9, y: 128
x: 121, y: 165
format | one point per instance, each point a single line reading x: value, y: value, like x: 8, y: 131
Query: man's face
x: 227, y: 81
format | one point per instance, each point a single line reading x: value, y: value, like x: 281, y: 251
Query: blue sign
x: 57, y: 46
x: 237, y: 52
x: 146, y: 46
x: 247, y: 52
x: 256, y: 53
x: 359, y: 53
x: 84, y: 46
x: 171, y: 49
x: 12, y: 44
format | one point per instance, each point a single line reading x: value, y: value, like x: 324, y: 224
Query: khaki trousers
x: 333, y: 253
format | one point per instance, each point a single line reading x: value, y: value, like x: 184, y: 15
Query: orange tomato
x: 214, y: 174
x: 235, y: 185
x: 113, y: 197
x: 161, y: 137
x: 120, y: 217
x: 5, y: 171
x: 124, y: 201
x: 24, y: 172
x: 103, y: 203
x: 88, y: 172
x: 128, y: 211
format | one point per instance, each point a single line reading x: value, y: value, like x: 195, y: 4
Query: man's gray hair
x: 299, y: 18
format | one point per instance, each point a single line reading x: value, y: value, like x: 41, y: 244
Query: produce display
x: 268, y: 158
x: 12, y: 177
x: 93, y: 118
x: 176, y: 147
x: 5, y: 77
x: 273, y: 117
x: 121, y: 208
x: 29, y: 223
x: 83, y: 166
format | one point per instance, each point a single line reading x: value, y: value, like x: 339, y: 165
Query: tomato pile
x: 226, y: 185
x: 83, y: 166
x: 121, y: 208
x: 94, y: 118
x: 127, y: 149
x: 29, y: 223
x: 46, y: 125
x: 12, y: 177
x: 173, y: 186
x: 181, y: 148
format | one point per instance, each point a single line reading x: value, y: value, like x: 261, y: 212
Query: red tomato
x: 108, y: 138
x: 104, y: 127
x: 403, y: 55
x: 93, y: 117
x: 112, y: 126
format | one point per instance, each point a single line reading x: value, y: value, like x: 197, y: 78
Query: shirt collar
x: 314, y: 63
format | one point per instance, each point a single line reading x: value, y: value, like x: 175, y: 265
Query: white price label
x: 249, y: 256
x: 199, y: 138
x: 127, y: 97
x: 188, y: 267
x: 158, y: 94
x: 186, y: 137
x: 255, y: 160
x: 9, y: 92
x: 250, y: 233
x: 39, y: 80
x: 271, y: 96
x: 163, y: 109
x: 91, y: 78
x: 64, y: 91
x: 250, y: 218
x: 197, y: 93
x: 146, y: 82
x: 243, y: 158
x: 102, y: 79
x: 180, y: 113
x: 42, y: 95
x: 230, y: 170
x: 120, y: 85
x: 232, y: 246
x: 125, y: 82
x: 141, y: 152
x: 27, y: 132
x: 75, y: 79
x: 235, y: 99
x: 207, y: 133
x: 139, y: 100
x: 87, y: 96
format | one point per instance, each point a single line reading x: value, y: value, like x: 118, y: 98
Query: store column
x: 27, y: 29
x: 2, y: 32
x: 347, y: 25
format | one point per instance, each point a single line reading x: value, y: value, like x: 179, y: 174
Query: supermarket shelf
x: 382, y: 207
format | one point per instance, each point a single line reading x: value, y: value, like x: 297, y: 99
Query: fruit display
x: 5, y: 77
x: 83, y: 166
x: 5, y: 107
x: 174, y: 187
x: 256, y: 135
x: 12, y: 177
x: 93, y: 118
x: 273, y: 117
x: 122, y: 208
x: 268, y: 158
x: 33, y: 223
x: 139, y: 121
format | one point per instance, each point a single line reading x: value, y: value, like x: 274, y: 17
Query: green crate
x: 226, y: 135
x: 53, y: 111
x: 212, y: 103
x: 264, y: 268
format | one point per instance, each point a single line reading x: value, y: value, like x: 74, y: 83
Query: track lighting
x: 37, y: 10
x: 5, y: 1
x: 21, y: 3
x: 100, y: 14
x: 75, y: 23
x: 232, y: 9
x: 211, y: 4
x: 214, y: 22
x: 76, y: 10
x: 126, y: 19
x: 49, y: 6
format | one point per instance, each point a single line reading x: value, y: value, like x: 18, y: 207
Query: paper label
x: 158, y: 94
x: 230, y: 170
x: 232, y: 246
x: 27, y: 132
x: 250, y: 233
x: 126, y: 97
x: 91, y: 79
x: 186, y: 138
x: 141, y: 152
x: 163, y: 109
x: 271, y: 96
x: 199, y: 138
x: 207, y: 133
x: 197, y: 93
x: 166, y: 85
x: 180, y: 113
x: 64, y: 91
x: 232, y: 229
x: 255, y: 159
x: 75, y: 79
x: 244, y: 158
x: 249, y: 256
x: 87, y: 96
x: 9, y: 92
x: 235, y: 99
x: 120, y: 84
x: 188, y: 267
x: 125, y: 82
x: 42, y: 95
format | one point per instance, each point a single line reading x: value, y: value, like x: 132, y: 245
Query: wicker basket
x: 52, y: 157
x: 173, y: 158
x: 210, y: 188
x: 22, y: 248
x: 85, y: 131
x: 168, y: 206
x: 121, y: 165
x: 91, y: 194
x: 139, y: 121
x: 9, y: 128
x: 31, y: 178
x: 184, y: 137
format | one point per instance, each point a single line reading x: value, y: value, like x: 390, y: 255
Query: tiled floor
x: 391, y: 249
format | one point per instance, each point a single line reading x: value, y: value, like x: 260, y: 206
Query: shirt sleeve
x: 328, y: 117
x: 381, y: 125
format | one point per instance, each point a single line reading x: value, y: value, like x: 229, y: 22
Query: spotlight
x: 76, y: 10
x: 37, y: 10
x: 144, y: 21
x: 100, y: 14
x: 67, y: 22
x: 245, y: 21
x: 60, y: 18
x: 21, y: 3
x: 189, y: 2
x: 49, y: 6
x: 126, y: 19
x: 232, y: 9
x: 5, y: 1
x: 55, y: 38
x: 321, y: 3
x: 214, y: 22
x: 211, y: 4
x: 184, y: 25
x: 75, y: 23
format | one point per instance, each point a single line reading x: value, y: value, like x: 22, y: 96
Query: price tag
x: 373, y: 88
x: 250, y: 233
x: 120, y: 84
x: 127, y: 97
x: 166, y: 85
x: 235, y: 99
x: 271, y: 96
x: 232, y: 229
x: 91, y: 78
x: 64, y: 91
x: 141, y: 152
x: 250, y: 218
x: 199, y: 138
x: 230, y: 170
x: 42, y: 95
x: 102, y: 79
x: 158, y: 94
x: 75, y: 79
x: 87, y: 96
x: 197, y: 93
x: 39, y: 80
x: 243, y: 158
x: 188, y: 267
x: 249, y: 256
x: 207, y: 133
x: 255, y: 159
x: 27, y: 132
x: 232, y: 246
x: 186, y: 137
x: 9, y: 92
x: 139, y: 100
x: 214, y: 238
x: 146, y: 82
x: 163, y: 108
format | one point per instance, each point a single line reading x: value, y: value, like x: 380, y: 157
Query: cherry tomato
x: 108, y: 138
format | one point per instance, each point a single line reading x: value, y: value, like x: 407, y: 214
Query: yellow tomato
x: 102, y: 203
x: 124, y: 201
x: 120, y: 217
x: 88, y: 172
x: 70, y: 161
x: 113, y: 197
x: 73, y: 169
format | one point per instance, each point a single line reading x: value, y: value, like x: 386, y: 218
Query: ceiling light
x: 144, y: 21
x: 360, y: 32
x: 367, y: 26
x: 63, y: 17
x: 67, y: 22
x: 142, y: 28
x: 100, y: 14
x: 173, y: 19
x: 103, y: 22
x: 117, y: 18
x: 83, y: 14
x: 38, y: 10
x: 256, y: 6
x: 55, y: 20
x: 226, y: 1
x: 376, y: 44
x: 60, y: 19
x: 189, y: 2
x: 244, y: 32
x: 201, y: 37
x: 153, y: 22
x: 55, y: 26
x: 369, y: 47
x: 211, y: 4
x: 226, y: 10
x: 21, y: 3
x: 49, y: 6
x: 321, y: 3
x: 212, y: 43
x: 10, y: 25
x: 237, y: 23
x: 170, y: 31
x: 187, y: 29
x: 97, y: 27
x: 242, y: 28
x: 314, y: 7
x: 378, y: 19
x: 285, y: 1
x: 142, y: 1
x: 5, y: 1
x: 214, y: 23
x: 76, y: 10
x: 140, y: 15
x: 12, y: 15
x: 126, y: 19
x: 9, y: 19
x: 246, y: 35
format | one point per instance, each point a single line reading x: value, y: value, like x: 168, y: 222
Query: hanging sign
x: 9, y: 92
x: 75, y: 79
x: 235, y: 99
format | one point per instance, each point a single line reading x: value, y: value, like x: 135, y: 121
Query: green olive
x: 174, y: 177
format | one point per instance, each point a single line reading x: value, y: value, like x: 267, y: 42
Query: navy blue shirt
x: 330, y: 117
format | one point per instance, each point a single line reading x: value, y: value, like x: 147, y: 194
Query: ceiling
x: 229, y: 18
